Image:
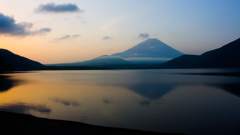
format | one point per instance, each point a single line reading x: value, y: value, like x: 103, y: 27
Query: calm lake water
x: 155, y: 100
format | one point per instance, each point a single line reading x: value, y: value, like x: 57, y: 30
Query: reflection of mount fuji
x: 151, y: 91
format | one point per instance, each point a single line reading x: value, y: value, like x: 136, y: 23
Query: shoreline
x: 31, y: 125
x: 234, y: 73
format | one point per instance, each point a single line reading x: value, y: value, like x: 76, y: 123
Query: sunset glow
x: 99, y: 27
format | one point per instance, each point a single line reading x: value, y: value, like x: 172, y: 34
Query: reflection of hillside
x: 24, y: 108
x: 6, y: 83
x: 232, y: 88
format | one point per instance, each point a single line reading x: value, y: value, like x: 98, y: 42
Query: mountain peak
x: 153, y: 40
x: 150, y: 48
x: 5, y: 51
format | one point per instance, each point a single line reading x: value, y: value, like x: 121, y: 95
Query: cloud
x: 106, y: 38
x: 8, y: 26
x: 58, y: 8
x: 143, y: 36
x: 41, y: 31
x: 75, y: 36
x: 65, y: 37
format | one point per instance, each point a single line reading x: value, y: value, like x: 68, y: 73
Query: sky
x: 57, y: 31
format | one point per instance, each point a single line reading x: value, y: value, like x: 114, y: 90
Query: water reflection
x: 145, y: 103
x: 231, y: 88
x: 107, y: 101
x: 66, y: 102
x: 151, y: 91
x: 25, y: 108
x: 150, y: 100
x: 7, y: 83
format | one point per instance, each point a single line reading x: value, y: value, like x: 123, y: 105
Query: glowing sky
x: 56, y: 31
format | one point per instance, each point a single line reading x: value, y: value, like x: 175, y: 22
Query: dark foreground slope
x: 226, y: 56
x: 12, y: 123
x: 12, y: 62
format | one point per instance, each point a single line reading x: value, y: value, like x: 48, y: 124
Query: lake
x: 153, y: 100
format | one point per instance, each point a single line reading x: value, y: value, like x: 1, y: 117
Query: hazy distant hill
x: 226, y: 56
x: 10, y: 61
x: 100, y: 61
x: 149, y: 52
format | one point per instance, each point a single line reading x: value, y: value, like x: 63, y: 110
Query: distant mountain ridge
x: 99, y: 62
x: 12, y: 62
x: 223, y: 57
x: 226, y: 56
x: 148, y: 52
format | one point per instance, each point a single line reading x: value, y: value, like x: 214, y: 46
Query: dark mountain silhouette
x: 226, y: 56
x: 12, y: 62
